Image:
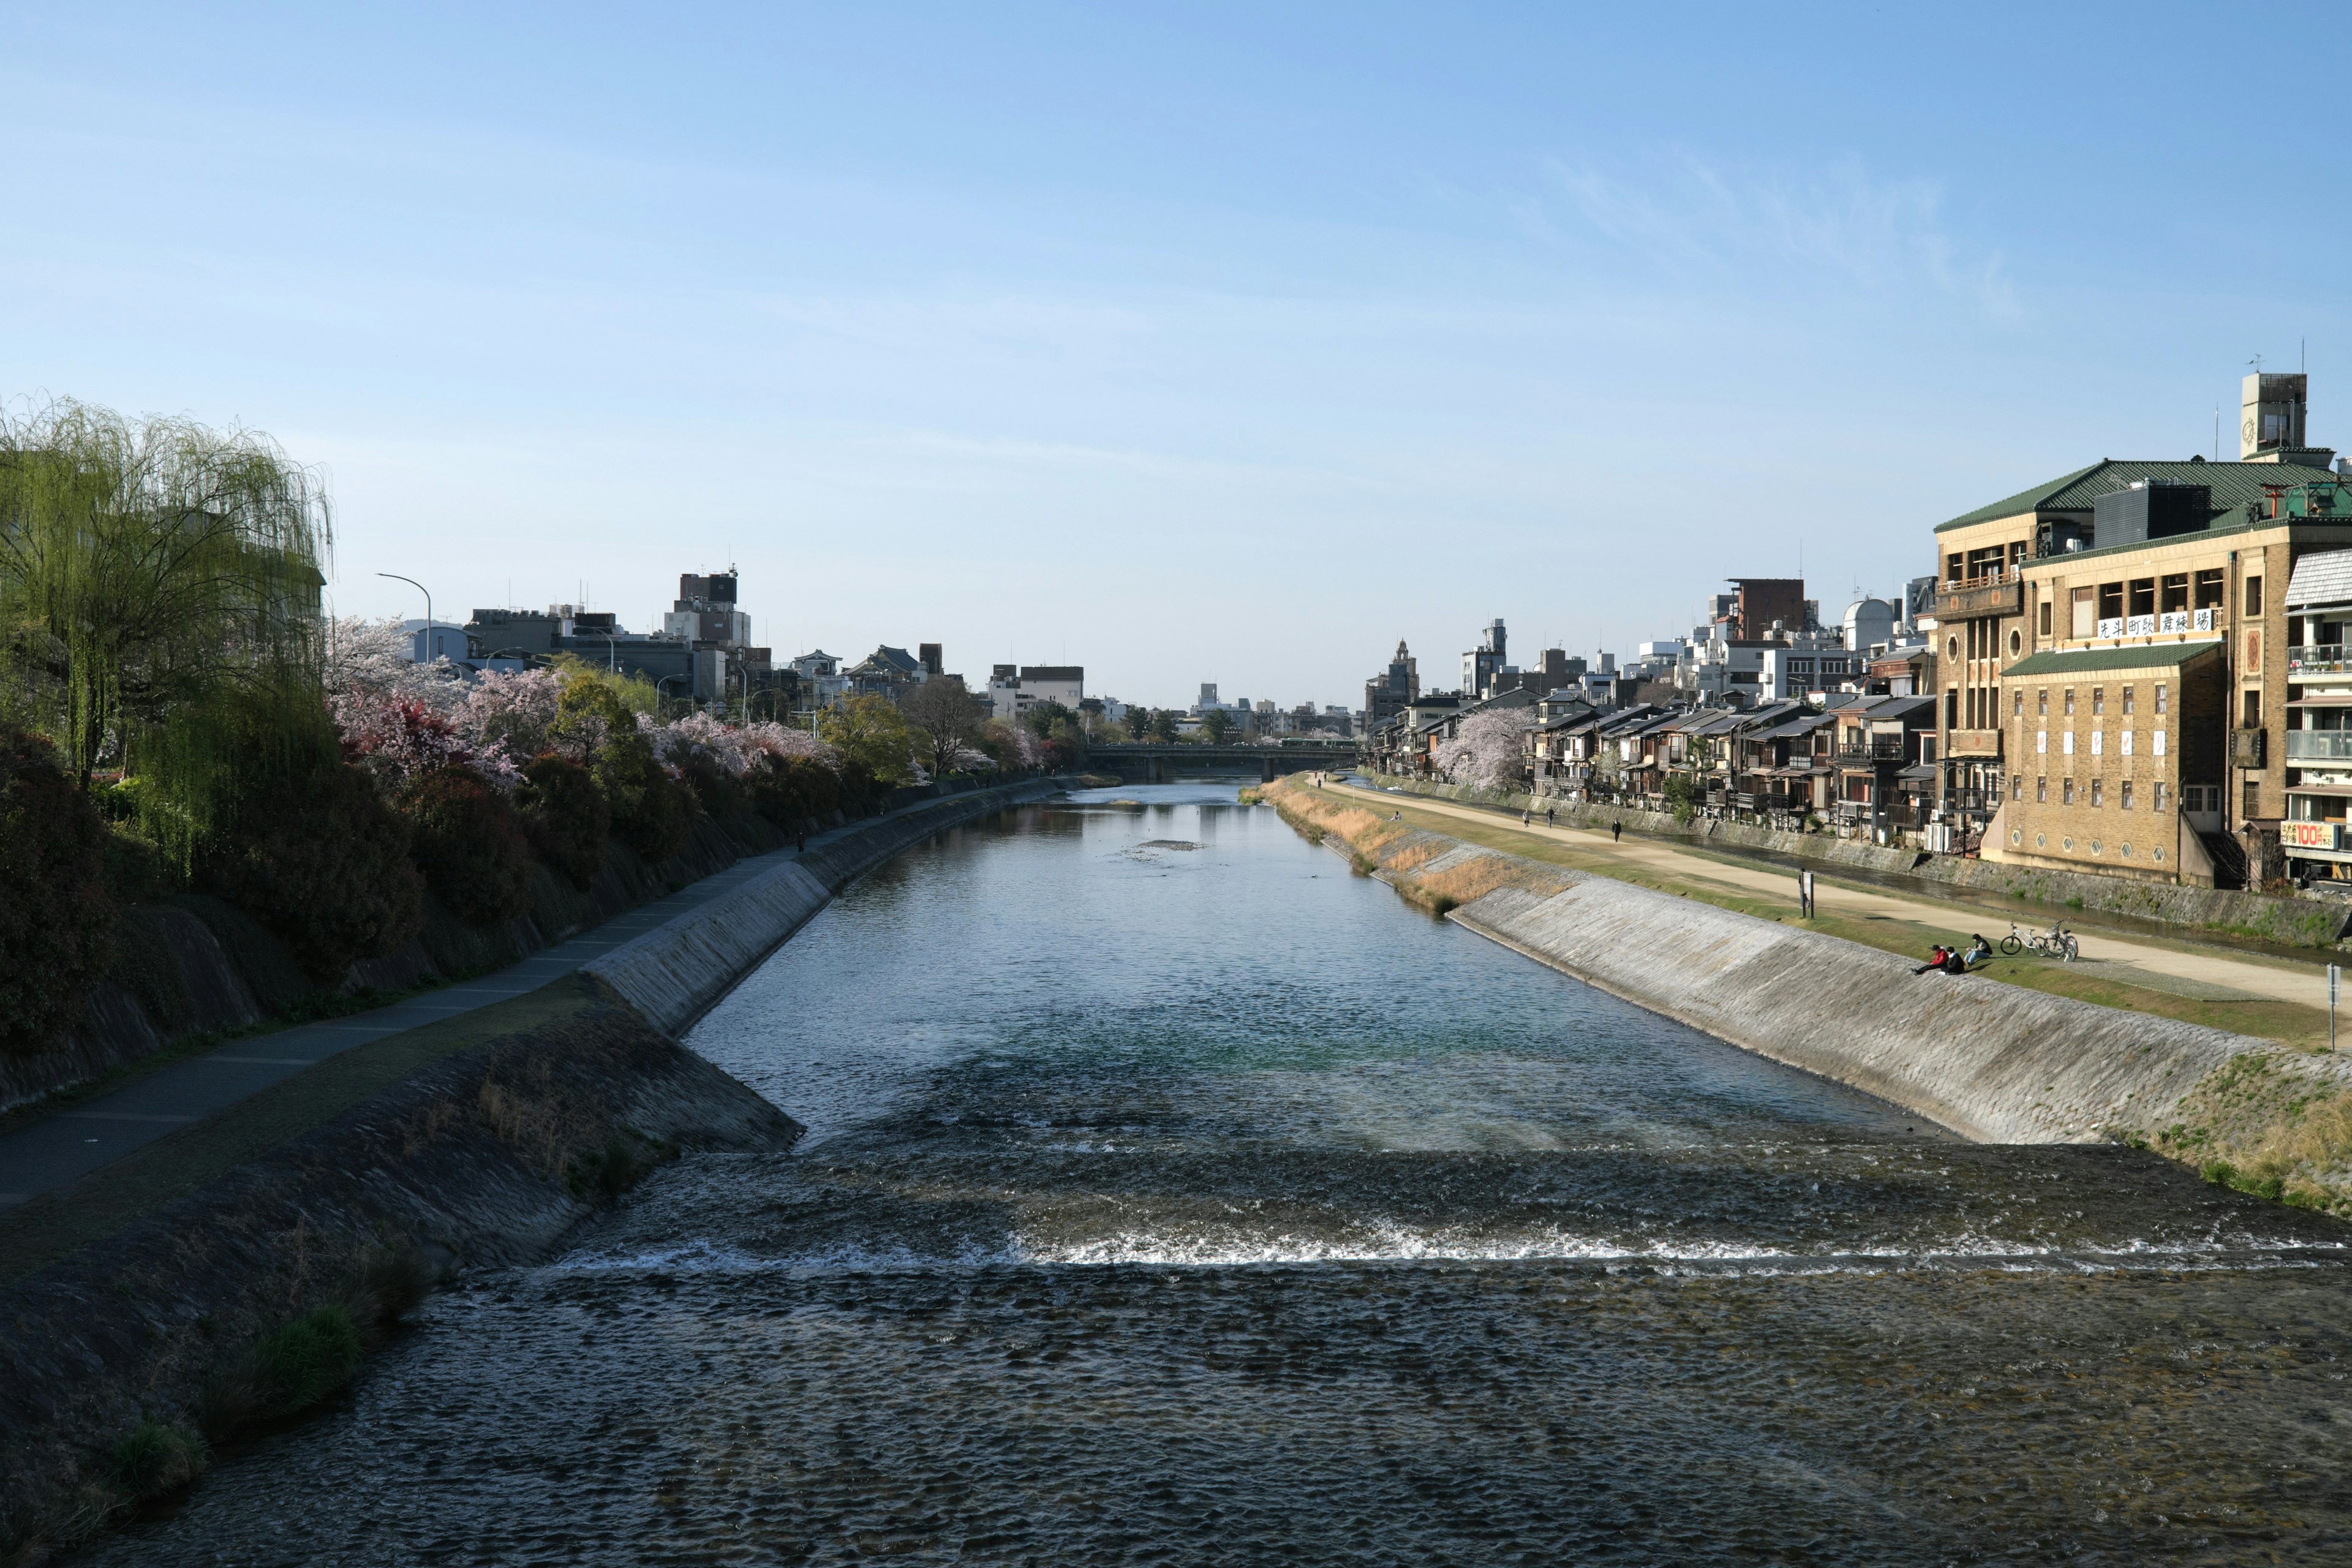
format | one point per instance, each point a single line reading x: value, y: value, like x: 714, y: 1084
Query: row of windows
x: 2148, y: 597
x: 2098, y: 701
x: 2096, y: 794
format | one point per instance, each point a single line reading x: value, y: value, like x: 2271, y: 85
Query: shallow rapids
x: 1172, y: 1196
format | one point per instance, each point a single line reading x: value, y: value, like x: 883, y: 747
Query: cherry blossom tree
x: 1486, y: 751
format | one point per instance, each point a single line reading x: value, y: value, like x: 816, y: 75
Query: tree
x: 57, y: 922
x: 1216, y: 724
x: 159, y: 604
x: 870, y: 733
x: 944, y: 719
x: 1485, y: 752
x: 1163, y: 726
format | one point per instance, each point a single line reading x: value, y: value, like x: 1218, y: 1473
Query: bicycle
x: 2056, y: 942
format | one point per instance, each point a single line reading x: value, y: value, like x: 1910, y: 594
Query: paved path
x: 51, y: 1153
x: 2211, y: 973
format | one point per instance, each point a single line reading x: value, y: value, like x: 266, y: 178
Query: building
x: 1755, y: 604
x: 1482, y: 664
x: 1387, y: 694
x: 2143, y: 553
x: 821, y: 683
x: 521, y: 639
x: 1014, y: 689
x: 2117, y: 753
x: 2313, y: 837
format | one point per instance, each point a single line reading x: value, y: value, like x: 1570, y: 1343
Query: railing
x: 2313, y: 745
x: 1981, y: 596
x: 1875, y: 749
x: 1975, y: 744
x: 2318, y: 658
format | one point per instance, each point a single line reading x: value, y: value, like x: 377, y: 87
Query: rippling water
x: 1173, y: 1197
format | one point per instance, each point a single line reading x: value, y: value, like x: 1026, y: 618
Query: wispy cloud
x: 1835, y: 226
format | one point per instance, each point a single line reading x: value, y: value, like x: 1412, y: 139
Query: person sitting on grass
x: 1938, y: 960
x: 1978, y: 952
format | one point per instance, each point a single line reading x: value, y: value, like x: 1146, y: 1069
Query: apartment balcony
x: 2247, y: 749
x: 1977, y: 744
x: 2312, y: 746
x: 1874, y: 751
x: 1980, y: 597
x: 2321, y: 659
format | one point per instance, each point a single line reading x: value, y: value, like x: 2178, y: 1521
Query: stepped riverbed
x: 1173, y: 1196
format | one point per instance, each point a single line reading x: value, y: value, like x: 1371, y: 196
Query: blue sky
x: 1190, y: 344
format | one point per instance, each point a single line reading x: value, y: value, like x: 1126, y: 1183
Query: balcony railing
x: 2316, y: 745
x: 1981, y: 596
x: 1871, y: 751
x: 2318, y: 658
x: 1978, y: 743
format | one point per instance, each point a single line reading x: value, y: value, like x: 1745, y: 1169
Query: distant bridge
x: 1157, y: 764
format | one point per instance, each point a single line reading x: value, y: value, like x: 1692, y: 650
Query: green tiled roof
x: 2099, y: 660
x: 2233, y: 485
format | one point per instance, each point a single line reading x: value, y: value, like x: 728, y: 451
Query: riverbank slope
x: 238, y: 1268
x: 1995, y: 1063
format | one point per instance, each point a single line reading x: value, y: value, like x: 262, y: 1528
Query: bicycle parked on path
x: 2057, y: 942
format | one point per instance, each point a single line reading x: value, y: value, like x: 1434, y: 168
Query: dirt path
x: 2209, y: 973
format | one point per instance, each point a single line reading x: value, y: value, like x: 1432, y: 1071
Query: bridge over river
x: 1159, y: 765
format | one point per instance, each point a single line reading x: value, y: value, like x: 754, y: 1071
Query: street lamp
x: 429, y: 610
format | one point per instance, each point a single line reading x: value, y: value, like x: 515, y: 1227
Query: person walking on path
x: 1548, y: 811
x: 1616, y: 830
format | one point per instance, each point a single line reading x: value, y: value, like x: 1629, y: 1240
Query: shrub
x: 308, y: 1359
x: 565, y: 818
x: 57, y: 922
x: 470, y: 844
x: 153, y: 1458
x: 718, y: 792
x: 651, y: 812
x: 324, y: 863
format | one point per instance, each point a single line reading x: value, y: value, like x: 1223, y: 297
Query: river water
x: 1172, y: 1196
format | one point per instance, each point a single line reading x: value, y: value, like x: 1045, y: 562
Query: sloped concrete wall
x: 675, y: 973
x: 1995, y: 1063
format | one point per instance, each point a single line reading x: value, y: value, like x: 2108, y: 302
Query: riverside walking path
x: 72, y: 1143
x: 2210, y: 975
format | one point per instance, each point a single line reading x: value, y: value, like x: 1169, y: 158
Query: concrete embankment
x: 199, y: 1285
x: 2288, y: 922
x: 1995, y: 1063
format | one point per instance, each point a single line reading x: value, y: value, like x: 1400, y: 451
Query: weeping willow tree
x: 159, y: 605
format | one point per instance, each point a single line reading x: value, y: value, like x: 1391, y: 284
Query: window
x: 2098, y: 701
x: 2253, y: 806
x: 2016, y: 704
x: 2123, y: 796
x: 2156, y: 801
x: 2111, y: 600
x: 2127, y: 702
x: 2172, y: 593
x: 2045, y: 617
x: 1953, y: 567
x: 1952, y: 708
x: 2086, y: 613
x: 2208, y: 589
x: 2042, y: 702
x: 2250, y: 707
x: 2016, y: 643
x: 2041, y: 792
x: 2253, y: 596
x: 1952, y: 648
x: 2159, y: 697
x: 2142, y: 601
x: 2098, y: 792
x: 2065, y: 792
x: 2070, y: 703
x: 2017, y: 785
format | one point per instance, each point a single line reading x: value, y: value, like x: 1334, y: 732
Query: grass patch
x: 156, y: 1458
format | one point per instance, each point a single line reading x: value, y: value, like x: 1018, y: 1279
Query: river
x: 1172, y: 1196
